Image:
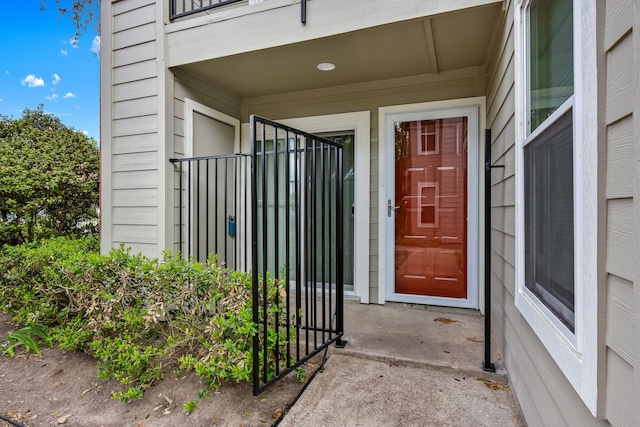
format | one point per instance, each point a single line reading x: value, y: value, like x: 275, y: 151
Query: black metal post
x: 254, y: 258
x: 340, y: 343
x: 486, y: 364
x: 303, y: 11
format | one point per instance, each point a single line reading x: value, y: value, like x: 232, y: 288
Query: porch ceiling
x: 423, y: 46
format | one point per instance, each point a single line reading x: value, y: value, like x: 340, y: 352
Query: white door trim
x: 474, y: 110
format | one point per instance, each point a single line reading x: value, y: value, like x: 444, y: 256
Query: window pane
x: 549, y: 229
x: 550, y: 50
x: 348, y: 192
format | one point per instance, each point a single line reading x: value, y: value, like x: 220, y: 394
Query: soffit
x: 455, y: 40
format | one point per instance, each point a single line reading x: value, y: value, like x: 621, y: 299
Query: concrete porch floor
x: 408, y: 365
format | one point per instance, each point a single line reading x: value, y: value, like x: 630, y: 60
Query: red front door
x: 431, y: 207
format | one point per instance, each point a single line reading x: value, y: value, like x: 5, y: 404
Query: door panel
x: 431, y: 207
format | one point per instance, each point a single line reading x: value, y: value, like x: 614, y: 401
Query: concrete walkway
x: 408, y: 366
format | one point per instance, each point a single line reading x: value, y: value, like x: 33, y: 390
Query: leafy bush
x: 49, y: 177
x: 138, y: 316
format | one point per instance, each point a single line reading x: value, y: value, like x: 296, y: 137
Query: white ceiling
x: 459, y: 40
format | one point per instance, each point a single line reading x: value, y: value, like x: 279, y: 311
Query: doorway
x: 429, y: 218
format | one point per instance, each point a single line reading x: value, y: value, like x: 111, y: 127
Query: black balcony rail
x: 180, y: 8
x: 212, y: 207
x: 297, y: 239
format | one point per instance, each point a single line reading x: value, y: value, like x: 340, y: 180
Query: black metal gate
x: 289, y: 190
x: 297, y: 247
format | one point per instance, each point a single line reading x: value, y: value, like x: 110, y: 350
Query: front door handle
x: 391, y: 208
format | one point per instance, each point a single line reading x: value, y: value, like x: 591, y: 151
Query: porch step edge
x: 500, y: 375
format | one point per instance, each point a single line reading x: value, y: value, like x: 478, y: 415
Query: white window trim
x: 360, y: 123
x: 575, y: 354
x: 475, y: 109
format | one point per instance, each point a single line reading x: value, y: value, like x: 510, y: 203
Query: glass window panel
x: 550, y: 56
x: 549, y: 223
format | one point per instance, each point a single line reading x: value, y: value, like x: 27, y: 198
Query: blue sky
x: 39, y: 64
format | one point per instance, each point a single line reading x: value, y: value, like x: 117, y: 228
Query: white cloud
x: 77, y: 107
x: 95, y: 45
x: 7, y: 72
x: 64, y: 52
x: 1, y: 99
x: 32, y: 81
x: 56, y: 78
x: 52, y: 97
x: 85, y: 132
x: 69, y: 95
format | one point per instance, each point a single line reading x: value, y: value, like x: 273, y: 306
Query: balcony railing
x: 180, y: 8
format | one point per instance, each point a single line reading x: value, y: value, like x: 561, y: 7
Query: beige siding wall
x: 545, y: 395
x: 620, y: 120
x: 130, y: 133
x: 369, y: 97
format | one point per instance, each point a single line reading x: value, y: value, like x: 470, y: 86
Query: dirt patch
x: 62, y: 388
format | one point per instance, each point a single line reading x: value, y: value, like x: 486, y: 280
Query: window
x: 550, y: 58
x: 557, y: 183
x: 548, y: 157
x: 549, y: 248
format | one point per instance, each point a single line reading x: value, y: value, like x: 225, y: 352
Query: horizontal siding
x: 622, y: 258
x: 135, y: 198
x: 545, y: 395
x: 135, y: 108
x: 135, y: 216
x: 134, y: 36
x: 136, y: 179
x: 620, y: 392
x: 136, y: 89
x: 121, y: 7
x: 135, y: 71
x: 622, y: 134
x: 135, y: 143
x: 135, y: 234
x: 135, y: 162
x: 147, y: 249
x: 131, y: 18
x: 620, y: 19
x: 620, y: 159
x: 134, y: 125
x: 620, y: 80
x: 134, y: 54
x: 621, y: 323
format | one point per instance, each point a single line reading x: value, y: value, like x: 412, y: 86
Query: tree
x: 85, y: 14
x: 49, y: 175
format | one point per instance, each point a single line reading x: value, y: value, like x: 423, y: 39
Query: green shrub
x: 138, y: 316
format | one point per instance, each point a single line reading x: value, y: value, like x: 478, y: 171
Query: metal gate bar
x: 212, y: 206
x: 297, y: 248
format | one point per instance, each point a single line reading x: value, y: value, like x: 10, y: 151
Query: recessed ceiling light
x: 326, y: 66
